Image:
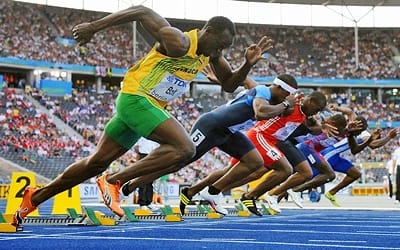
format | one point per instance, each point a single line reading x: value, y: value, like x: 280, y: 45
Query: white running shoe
x: 152, y: 208
x: 295, y: 198
x: 272, y: 201
x: 214, y: 201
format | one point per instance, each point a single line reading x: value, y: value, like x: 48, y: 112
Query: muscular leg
x: 352, y: 174
x: 302, y: 174
x: 106, y: 152
x: 175, y: 149
x: 136, y: 182
x: 282, y: 170
x: 326, y: 174
x: 252, y: 177
x: 249, y: 163
x: 211, y: 178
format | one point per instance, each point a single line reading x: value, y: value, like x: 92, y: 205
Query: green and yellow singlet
x: 164, y: 78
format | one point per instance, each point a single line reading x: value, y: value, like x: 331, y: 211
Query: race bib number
x: 311, y: 159
x: 273, y: 154
x: 197, y: 137
x: 283, y: 133
x: 242, y: 126
x: 169, y: 88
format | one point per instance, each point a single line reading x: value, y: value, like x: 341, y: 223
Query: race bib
x: 283, y: 133
x: 197, y: 137
x: 242, y: 126
x: 169, y: 88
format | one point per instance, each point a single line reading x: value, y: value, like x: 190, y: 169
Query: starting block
x: 142, y: 212
x: 6, y: 226
x: 211, y: 214
x: 267, y: 210
x: 170, y: 215
x: 166, y: 215
x: 9, y: 228
x: 98, y: 218
x: 241, y: 211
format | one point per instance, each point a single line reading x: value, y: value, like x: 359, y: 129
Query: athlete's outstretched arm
x: 382, y: 141
x: 230, y: 79
x: 172, y: 41
x: 355, y: 148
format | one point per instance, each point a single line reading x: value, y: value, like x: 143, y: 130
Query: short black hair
x: 339, y: 121
x: 363, y: 121
x: 290, y: 80
x: 220, y: 24
x: 318, y: 98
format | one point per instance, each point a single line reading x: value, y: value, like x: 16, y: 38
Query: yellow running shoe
x: 332, y: 198
x: 26, y: 206
x: 110, y: 194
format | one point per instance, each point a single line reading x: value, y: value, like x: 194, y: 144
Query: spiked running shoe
x: 125, y: 189
x: 184, y: 199
x: 250, y: 204
x: 214, y: 201
x: 26, y: 206
x: 332, y: 198
x: 110, y: 194
x: 272, y: 202
x: 295, y: 198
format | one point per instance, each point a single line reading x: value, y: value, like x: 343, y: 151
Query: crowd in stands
x: 44, y: 33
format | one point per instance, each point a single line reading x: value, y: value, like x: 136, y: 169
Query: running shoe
x: 332, y: 198
x: 151, y: 207
x: 295, y: 198
x: 26, y: 206
x: 250, y: 204
x: 184, y: 199
x: 272, y: 202
x: 214, y: 201
x: 110, y: 194
x: 125, y: 189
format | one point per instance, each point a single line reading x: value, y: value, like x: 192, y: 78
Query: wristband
x: 286, y: 103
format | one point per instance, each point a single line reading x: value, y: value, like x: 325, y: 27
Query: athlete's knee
x: 307, y: 175
x: 253, y: 164
x: 184, y: 152
x: 96, y: 161
x: 287, y: 171
x: 330, y: 176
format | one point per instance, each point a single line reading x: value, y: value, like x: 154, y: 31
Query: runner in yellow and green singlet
x: 159, y: 77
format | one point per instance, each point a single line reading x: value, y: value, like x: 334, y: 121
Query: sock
x: 213, y: 190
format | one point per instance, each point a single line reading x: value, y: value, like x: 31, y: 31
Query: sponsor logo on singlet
x: 169, y: 88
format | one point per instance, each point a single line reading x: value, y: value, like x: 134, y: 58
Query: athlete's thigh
x: 341, y: 165
x: 268, y: 150
x: 136, y: 116
x: 292, y: 153
x: 148, y: 119
x: 237, y: 145
x: 206, y: 134
x: 313, y: 157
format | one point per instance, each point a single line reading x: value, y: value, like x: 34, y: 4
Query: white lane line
x: 340, y: 241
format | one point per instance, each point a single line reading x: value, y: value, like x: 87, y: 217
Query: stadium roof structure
x: 336, y: 2
x: 322, y: 13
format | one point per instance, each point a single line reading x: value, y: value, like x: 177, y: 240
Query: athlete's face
x: 213, y: 43
x: 311, y: 107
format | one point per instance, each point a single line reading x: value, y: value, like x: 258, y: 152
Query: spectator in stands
x: 163, y: 75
